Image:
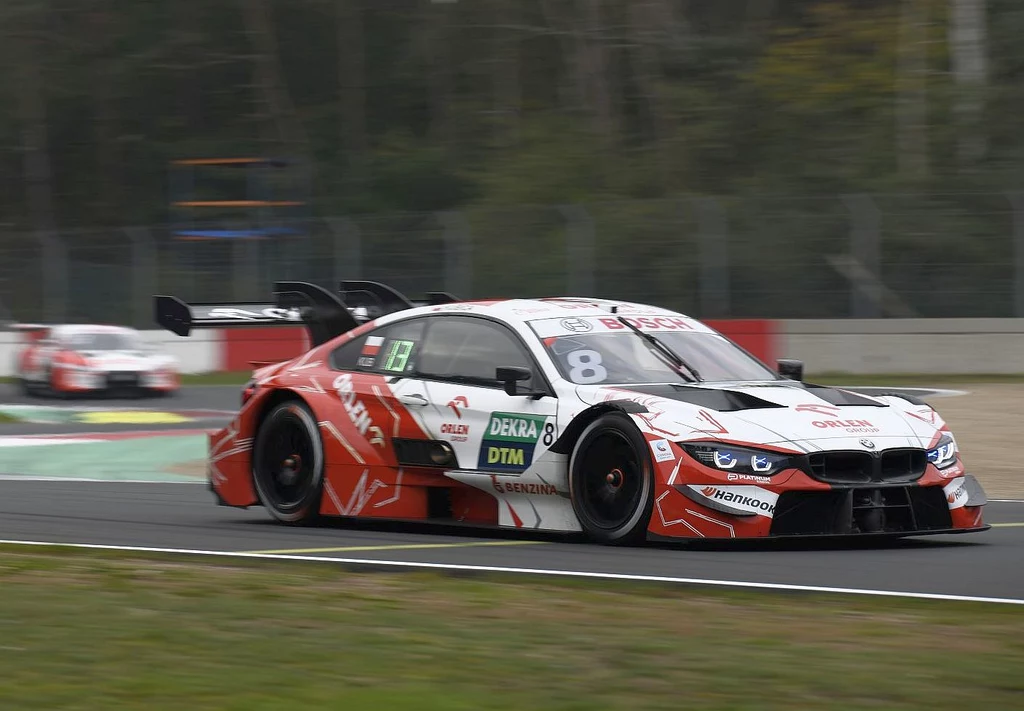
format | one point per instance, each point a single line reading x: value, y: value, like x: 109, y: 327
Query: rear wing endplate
x: 322, y: 313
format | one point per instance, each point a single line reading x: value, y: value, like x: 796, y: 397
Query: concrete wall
x: 974, y: 345
x: 929, y: 346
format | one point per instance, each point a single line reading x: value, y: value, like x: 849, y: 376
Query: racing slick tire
x: 288, y: 463
x: 611, y: 481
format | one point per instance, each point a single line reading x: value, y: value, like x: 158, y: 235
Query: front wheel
x: 288, y: 463
x: 611, y: 481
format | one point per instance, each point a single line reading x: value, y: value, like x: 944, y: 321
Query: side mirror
x: 510, y: 376
x: 792, y: 369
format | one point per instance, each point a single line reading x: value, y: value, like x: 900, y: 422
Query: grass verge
x: 7, y: 419
x: 93, y: 630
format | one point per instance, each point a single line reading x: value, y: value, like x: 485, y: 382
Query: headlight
x: 944, y: 453
x: 740, y: 460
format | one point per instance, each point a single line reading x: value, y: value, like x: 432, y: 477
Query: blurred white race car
x: 80, y: 359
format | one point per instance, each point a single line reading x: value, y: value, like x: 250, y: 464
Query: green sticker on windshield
x: 398, y: 355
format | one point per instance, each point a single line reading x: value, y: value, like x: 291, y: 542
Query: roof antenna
x: 615, y: 309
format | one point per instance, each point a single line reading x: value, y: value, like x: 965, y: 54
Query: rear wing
x: 323, y: 314
x: 376, y: 299
x: 33, y: 331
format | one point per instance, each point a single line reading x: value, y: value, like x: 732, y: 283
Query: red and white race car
x: 79, y: 359
x: 622, y: 421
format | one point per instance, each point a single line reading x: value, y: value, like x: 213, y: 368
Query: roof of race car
x: 561, y: 307
x: 71, y: 329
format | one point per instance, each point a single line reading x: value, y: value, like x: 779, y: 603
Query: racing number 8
x: 549, y: 434
x: 585, y: 367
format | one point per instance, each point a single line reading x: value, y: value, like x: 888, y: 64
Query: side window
x: 457, y: 346
x: 389, y: 350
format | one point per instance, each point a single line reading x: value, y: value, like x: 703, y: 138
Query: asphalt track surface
x: 185, y: 517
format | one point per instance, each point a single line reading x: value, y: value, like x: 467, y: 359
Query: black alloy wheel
x: 288, y: 463
x: 611, y: 480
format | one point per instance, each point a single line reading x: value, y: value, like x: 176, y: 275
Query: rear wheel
x: 611, y: 481
x: 288, y: 463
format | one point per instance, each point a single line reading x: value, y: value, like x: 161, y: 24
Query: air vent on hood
x: 713, y: 399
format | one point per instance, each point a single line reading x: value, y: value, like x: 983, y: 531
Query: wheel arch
x: 565, y: 443
x: 262, y: 409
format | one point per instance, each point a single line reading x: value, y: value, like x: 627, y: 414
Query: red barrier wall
x: 242, y: 346
x: 759, y: 336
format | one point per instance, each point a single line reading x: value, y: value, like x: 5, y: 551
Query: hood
x: 125, y: 360
x: 805, y: 417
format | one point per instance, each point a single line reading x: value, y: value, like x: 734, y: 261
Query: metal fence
x: 948, y: 255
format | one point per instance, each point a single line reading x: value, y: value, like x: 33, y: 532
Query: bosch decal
x: 651, y: 323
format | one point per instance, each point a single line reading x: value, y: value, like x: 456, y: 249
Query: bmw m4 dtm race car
x: 88, y: 359
x: 619, y: 420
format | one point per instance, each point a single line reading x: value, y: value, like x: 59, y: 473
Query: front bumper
x: 89, y: 381
x: 804, y: 508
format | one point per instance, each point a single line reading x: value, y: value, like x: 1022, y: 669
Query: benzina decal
x: 732, y: 498
x: 520, y: 488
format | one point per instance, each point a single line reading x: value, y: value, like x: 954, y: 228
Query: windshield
x: 624, y: 357
x: 105, y: 342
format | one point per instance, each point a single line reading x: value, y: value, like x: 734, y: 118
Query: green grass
x: 7, y: 419
x: 94, y: 631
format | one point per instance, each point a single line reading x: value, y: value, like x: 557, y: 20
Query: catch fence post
x: 144, y: 275
x: 348, y: 248
x: 579, y: 250
x: 458, y: 248
x: 713, y: 275
x: 865, y: 248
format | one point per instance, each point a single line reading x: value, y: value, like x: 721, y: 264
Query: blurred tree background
x: 432, y: 105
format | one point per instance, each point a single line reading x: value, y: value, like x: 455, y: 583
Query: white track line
x: 529, y: 571
x: 86, y: 479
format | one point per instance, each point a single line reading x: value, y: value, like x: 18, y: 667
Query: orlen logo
x: 715, y: 493
x: 826, y: 424
x: 454, y: 405
x: 826, y: 410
